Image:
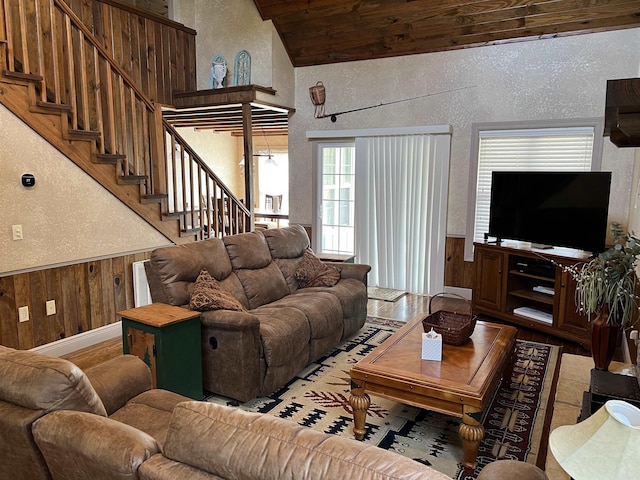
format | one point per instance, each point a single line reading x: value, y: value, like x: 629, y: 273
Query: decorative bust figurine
x: 218, y: 71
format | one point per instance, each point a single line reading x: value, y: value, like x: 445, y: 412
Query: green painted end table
x: 167, y: 339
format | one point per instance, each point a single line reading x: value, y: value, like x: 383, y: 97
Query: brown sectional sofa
x: 209, y: 441
x: 33, y: 386
x: 252, y: 353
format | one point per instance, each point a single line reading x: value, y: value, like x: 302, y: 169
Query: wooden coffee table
x: 461, y: 385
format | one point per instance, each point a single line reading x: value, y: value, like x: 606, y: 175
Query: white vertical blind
x: 401, y: 207
x: 539, y: 149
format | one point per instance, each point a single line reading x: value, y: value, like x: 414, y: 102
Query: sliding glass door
x: 336, y: 168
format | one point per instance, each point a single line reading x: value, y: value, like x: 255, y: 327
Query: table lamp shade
x: 604, y: 446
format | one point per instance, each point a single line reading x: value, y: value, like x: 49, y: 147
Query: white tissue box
x: 432, y: 346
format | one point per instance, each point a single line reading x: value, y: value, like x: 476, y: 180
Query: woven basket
x: 455, y: 328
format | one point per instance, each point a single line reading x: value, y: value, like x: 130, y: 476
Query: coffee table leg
x: 359, y: 402
x: 472, y: 433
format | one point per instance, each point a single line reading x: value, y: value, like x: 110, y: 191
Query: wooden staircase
x: 61, y: 81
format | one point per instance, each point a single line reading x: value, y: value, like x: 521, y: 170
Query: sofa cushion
x: 284, y: 332
x: 261, y: 279
x: 247, y: 251
x: 79, y: 446
x: 352, y: 295
x: 209, y: 295
x: 42, y: 382
x: 277, y: 448
x: 177, y: 267
x: 311, y: 272
x: 150, y: 412
x: 288, y: 242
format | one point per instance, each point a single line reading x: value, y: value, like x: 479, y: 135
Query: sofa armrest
x: 358, y: 271
x: 84, y: 445
x: 231, y: 354
x: 118, y: 380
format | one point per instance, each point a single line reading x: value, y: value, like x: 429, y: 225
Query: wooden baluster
x: 23, y: 37
x: 110, y: 102
x: 135, y: 161
x: 84, y: 90
x: 54, y: 53
x: 40, y: 52
x: 145, y: 145
x: 122, y: 126
x: 174, y: 171
x: 67, y: 47
x: 4, y: 37
x: 97, y: 89
x: 11, y: 57
x: 191, y: 189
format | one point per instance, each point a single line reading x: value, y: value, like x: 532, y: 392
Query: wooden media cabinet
x: 521, y: 285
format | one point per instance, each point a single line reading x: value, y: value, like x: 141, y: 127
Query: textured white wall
x: 545, y: 79
x: 67, y: 217
x: 220, y: 152
x: 226, y: 27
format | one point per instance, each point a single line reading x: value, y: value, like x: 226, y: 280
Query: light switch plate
x: 23, y: 314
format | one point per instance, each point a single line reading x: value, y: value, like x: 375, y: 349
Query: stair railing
x: 75, y: 76
x: 202, y: 202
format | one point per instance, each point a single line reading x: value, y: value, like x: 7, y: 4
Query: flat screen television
x: 559, y: 209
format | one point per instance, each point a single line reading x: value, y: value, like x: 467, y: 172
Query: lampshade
x: 604, y: 446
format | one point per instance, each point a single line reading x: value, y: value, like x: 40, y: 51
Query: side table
x: 604, y: 386
x: 167, y: 339
x: 336, y: 257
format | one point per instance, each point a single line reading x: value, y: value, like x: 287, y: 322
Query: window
x: 337, y: 174
x: 562, y: 146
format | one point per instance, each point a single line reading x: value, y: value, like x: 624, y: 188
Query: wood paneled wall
x: 87, y: 295
x: 457, y: 272
x: 158, y: 54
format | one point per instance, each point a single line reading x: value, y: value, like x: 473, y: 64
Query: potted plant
x: 606, y: 289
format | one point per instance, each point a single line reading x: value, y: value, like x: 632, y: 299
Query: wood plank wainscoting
x: 87, y: 296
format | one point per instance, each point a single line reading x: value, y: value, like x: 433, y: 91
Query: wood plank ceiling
x: 316, y: 32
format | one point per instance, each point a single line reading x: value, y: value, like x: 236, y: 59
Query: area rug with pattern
x: 386, y: 294
x: 514, y: 422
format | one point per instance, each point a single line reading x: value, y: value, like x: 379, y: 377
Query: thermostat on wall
x: 28, y: 180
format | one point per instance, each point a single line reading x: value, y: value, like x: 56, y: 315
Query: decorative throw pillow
x: 311, y: 272
x: 209, y: 295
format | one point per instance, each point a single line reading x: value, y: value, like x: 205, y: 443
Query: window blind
x: 540, y: 149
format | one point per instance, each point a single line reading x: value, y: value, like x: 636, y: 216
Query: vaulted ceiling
x: 316, y: 32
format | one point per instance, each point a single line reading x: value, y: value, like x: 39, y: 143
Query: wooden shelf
x: 534, y: 296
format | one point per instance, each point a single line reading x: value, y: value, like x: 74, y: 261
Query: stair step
x: 173, y: 215
x: 190, y: 231
x: 110, y: 158
x: 75, y: 134
x: 132, y: 179
x: 155, y: 198
x: 50, y: 107
x: 29, y: 77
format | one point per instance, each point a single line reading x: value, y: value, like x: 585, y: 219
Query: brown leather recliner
x: 33, y: 385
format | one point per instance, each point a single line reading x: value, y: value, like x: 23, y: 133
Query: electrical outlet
x: 17, y: 232
x: 23, y: 314
x: 51, y: 307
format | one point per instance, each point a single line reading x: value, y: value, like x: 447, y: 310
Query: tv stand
x: 521, y: 286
